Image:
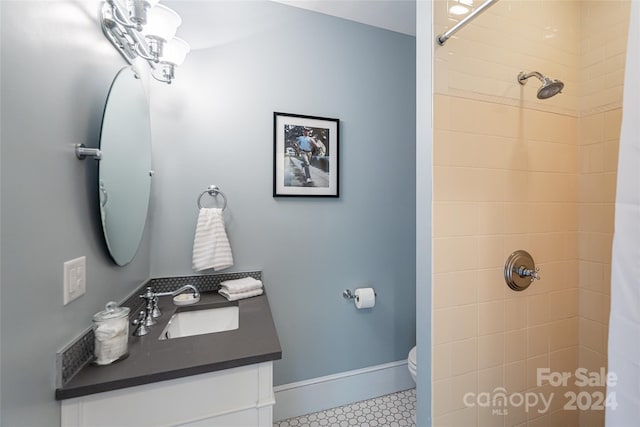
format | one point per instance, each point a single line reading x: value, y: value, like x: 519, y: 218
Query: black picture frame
x: 305, y: 156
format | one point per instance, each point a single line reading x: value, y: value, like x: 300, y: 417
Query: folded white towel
x: 211, y: 247
x: 241, y: 285
x: 240, y: 295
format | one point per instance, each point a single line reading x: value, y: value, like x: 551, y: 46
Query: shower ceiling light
x: 458, y: 9
x: 142, y: 28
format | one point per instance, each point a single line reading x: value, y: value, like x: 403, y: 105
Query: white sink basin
x: 199, y: 322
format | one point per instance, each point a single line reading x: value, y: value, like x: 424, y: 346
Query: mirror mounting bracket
x: 82, y: 152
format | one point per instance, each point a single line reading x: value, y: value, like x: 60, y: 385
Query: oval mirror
x: 124, y: 172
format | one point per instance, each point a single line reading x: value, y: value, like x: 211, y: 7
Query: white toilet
x: 411, y: 363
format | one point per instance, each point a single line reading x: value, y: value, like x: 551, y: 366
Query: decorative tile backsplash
x: 73, y: 357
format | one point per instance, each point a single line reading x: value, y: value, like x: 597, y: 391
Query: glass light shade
x: 162, y: 22
x: 175, y: 51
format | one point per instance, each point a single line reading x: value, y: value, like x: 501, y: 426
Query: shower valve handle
x: 524, y: 272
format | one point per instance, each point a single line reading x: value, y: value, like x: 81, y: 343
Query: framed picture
x: 305, y: 155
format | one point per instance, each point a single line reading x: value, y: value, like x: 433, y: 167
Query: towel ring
x: 213, y: 191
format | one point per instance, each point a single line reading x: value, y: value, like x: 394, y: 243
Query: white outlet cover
x: 74, y: 279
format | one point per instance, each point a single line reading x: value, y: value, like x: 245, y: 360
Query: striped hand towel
x: 211, y: 247
x: 245, y: 284
x: 240, y: 295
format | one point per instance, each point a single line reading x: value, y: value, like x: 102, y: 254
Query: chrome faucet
x: 156, y: 311
x: 147, y: 317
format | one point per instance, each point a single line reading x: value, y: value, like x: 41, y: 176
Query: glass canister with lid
x: 111, y: 330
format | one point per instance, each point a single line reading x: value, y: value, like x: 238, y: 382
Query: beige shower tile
x: 515, y: 309
x: 491, y: 317
x: 454, y: 289
x: 550, y: 127
x: 591, y: 275
x: 537, y: 340
x: 570, y: 246
x: 468, y: 184
x: 441, y: 112
x: 515, y: 379
x: 568, y: 274
x: 613, y: 122
x: 455, y: 324
x: 517, y: 184
x: 475, y: 117
x: 592, y: 335
x: 472, y: 150
x: 491, y: 218
x: 548, y: 247
x: 535, y: 364
x: 441, y: 362
x: 455, y: 254
x: 517, y: 220
x: 591, y: 306
x: 591, y: 360
x: 565, y: 360
x: 515, y: 346
x: 591, y: 128
x: 491, y: 351
x: 442, y: 397
x: 537, y: 309
x: 611, y: 155
x: 563, y: 333
x: 464, y: 356
x: 562, y: 418
x: 490, y: 417
x: 491, y: 285
x: 591, y: 418
x: 490, y: 379
x: 514, y: 242
x: 490, y: 252
x: 606, y: 309
x: 554, y: 217
x: 461, y: 386
x: 549, y: 187
x: 596, y: 217
x: 516, y: 417
x: 563, y: 304
x: 460, y: 418
x: 454, y: 219
x: 442, y: 155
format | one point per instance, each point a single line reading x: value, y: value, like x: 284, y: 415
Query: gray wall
x: 56, y: 70
x: 215, y: 126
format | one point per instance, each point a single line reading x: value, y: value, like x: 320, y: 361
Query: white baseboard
x: 318, y: 394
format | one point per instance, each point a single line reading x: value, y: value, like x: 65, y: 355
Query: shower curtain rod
x: 444, y: 37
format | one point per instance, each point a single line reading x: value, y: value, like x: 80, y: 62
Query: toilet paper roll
x: 365, y: 298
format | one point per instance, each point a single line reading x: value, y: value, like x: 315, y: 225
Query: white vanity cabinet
x: 235, y: 397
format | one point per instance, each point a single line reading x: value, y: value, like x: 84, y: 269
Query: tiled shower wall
x: 514, y: 172
x: 603, y: 30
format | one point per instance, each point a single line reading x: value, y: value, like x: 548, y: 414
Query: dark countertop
x: 151, y: 360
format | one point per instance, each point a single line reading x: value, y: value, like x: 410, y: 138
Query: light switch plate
x: 74, y: 280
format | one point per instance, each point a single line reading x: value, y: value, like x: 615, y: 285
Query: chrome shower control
x: 520, y: 270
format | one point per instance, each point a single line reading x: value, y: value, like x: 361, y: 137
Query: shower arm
x: 522, y: 77
x: 442, y: 38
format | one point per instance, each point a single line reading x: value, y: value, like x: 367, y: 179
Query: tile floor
x: 392, y: 410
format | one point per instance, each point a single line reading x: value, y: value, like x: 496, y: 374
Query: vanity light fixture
x: 145, y: 29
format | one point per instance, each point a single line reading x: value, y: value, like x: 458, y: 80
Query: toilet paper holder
x: 347, y: 294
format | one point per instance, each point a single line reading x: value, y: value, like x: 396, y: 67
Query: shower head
x: 549, y: 87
